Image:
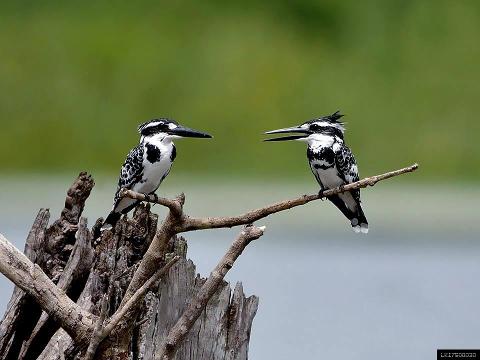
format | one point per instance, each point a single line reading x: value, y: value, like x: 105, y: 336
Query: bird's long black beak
x: 183, y: 131
x: 302, y: 134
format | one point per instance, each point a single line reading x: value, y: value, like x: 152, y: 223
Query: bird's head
x: 167, y: 129
x: 311, y: 130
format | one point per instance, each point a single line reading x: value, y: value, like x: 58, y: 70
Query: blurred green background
x: 77, y: 78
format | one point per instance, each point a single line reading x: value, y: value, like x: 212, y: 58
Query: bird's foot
x: 342, y: 188
x: 154, y: 200
x: 148, y: 197
x: 321, y: 195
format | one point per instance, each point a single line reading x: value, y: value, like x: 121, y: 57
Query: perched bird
x: 332, y: 163
x: 147, y: 164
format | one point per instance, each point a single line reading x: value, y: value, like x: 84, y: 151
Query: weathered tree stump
x: 96, y: 273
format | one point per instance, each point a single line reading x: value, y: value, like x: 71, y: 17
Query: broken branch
x: 199, y: 302
x: 30, y: 278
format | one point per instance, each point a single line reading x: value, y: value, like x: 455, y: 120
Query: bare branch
x: 191, y: 223
x: 177, y: 222
x: 29, y: 277
x: 255, y: 215
x: 175, y: 205
x: 199, y: 302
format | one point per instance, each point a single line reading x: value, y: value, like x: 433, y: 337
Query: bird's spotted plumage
x: 149, y: 163
x: 332, y: 163
x: 144, y: 169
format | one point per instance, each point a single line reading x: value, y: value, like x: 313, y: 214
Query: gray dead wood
x: 221, y: 332
x: 62, y: 253
x: 49, y: 248
x: 198, y: 303
x: 72, y: 280
x: 30, y: 278
x: 17, y: 324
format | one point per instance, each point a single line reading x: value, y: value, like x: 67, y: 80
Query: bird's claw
x: 149, y: 199
x: 155, y: 199
x: 321, y: 195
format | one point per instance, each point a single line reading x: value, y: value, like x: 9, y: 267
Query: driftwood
x: 131, y: 293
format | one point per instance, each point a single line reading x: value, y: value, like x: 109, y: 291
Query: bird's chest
x: 322, y: 163
x: 157, y: 161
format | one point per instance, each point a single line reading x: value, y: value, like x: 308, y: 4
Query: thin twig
x: 199, y: 302
x: 255, y: 215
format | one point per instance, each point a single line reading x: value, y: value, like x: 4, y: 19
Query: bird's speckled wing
x: 347, y: 167
x: 132, y: 171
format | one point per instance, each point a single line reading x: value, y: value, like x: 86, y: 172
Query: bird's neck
x: 316, y: 141
x: 158, y: 140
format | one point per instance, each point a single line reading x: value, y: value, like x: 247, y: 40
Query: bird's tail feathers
x: 359, y: 221
x: 111, y: 220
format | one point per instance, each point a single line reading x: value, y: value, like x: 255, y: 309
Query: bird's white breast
x: 154, y: 173
x: 329, y: 177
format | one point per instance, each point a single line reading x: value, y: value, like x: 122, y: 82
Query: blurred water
x: 362, y: 298
x: 410, y: 286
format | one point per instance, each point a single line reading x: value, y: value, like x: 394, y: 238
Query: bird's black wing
x: 132, y: 171
x: 347, y: 167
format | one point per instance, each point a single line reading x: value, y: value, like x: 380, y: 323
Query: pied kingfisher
x: 149, y: 163
x: 332, y: 163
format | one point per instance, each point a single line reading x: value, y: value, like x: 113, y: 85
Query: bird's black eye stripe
x: 150, y: 130
x: 316, y: 127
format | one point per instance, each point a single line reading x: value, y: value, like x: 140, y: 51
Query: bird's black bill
x: 302, y: 134
x: 285, y: 138
x: 186, y: 132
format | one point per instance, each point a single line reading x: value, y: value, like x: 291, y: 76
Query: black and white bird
x: 149, y: 163
x: 332, y: 163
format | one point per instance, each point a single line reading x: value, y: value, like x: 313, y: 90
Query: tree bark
x: 87, y: 271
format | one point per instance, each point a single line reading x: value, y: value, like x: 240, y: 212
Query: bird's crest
x: 332, y: 120
x: 334, y: 117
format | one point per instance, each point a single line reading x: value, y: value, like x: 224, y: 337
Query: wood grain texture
x: 222, y: 330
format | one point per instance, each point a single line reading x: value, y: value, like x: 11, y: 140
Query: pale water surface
x: 409, y: 287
